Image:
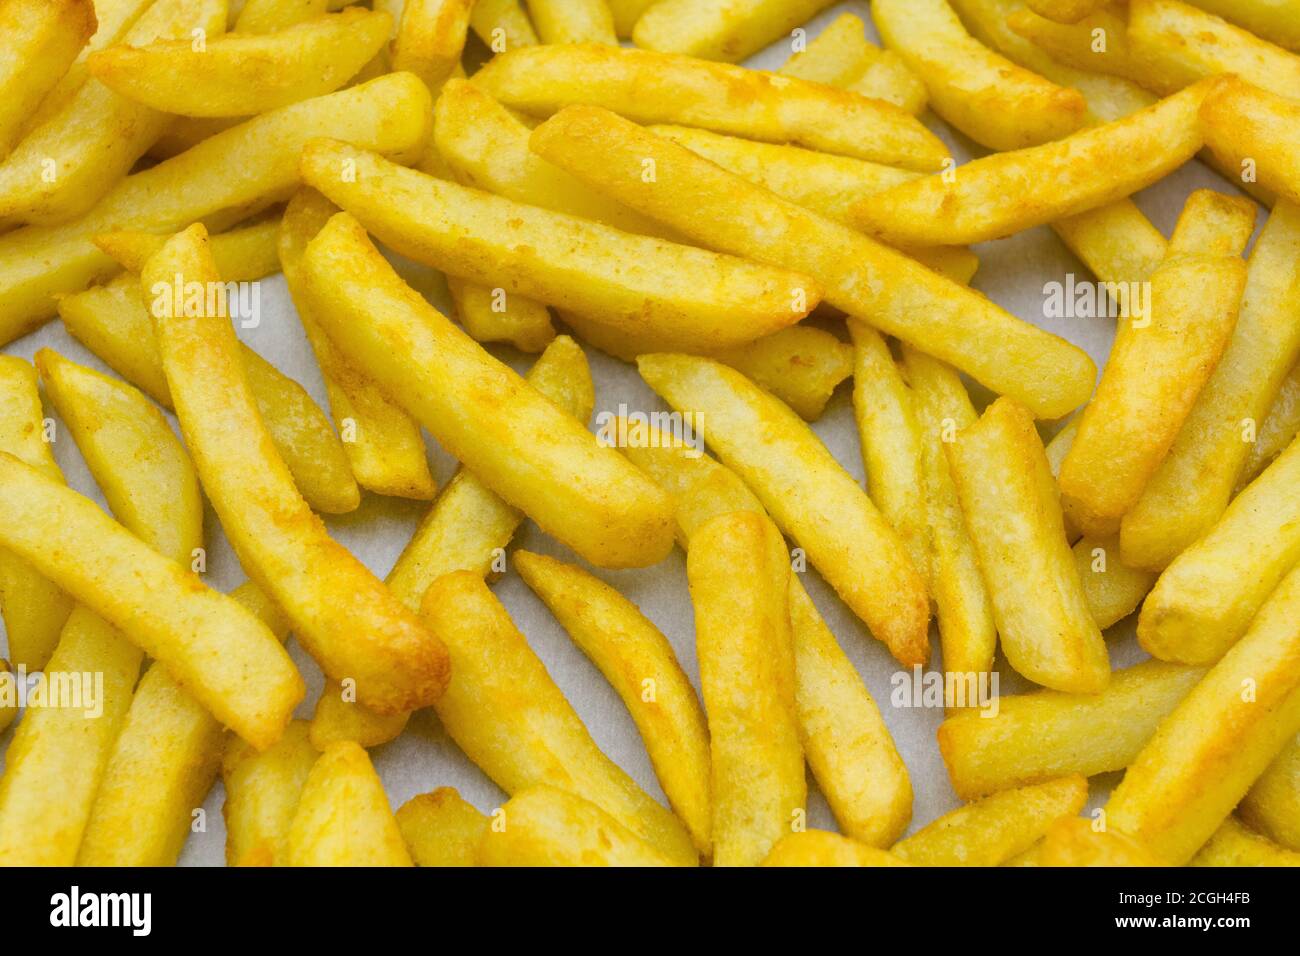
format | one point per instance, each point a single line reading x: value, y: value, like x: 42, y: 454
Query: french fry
x: 986, y: 96
x: 1279, y: 428
x: 821, y: 848
x: 242, y: 255
x: 342, y: 614
x: 679, y: 295
x: 806, y: 491
x: 1220, y: 738
x: 747, y: 673
x: 386, y: 451
x: 1009, y: 192
x: 546, y: 826
x: 1112, y: 588
x: 1236, y: 845
x: 1116, y: 242
x: 800, y: 365
x: 1159, y: 364
x: 587, y: 496
x: 338, y: 716
x: 967, y: 633
x: 113, y: 322
x: 508, y: 716
x: 1074, y: 842
x: 262, y: 791
x: 888, y: 290
x: 991, y: 831
x: 1274, y: 20
x: 1271, y: 805
x: 641, y: 666
x: 1046, y: 734
x: 441, y: 829
x: 1192, y: 487
x: 651, y: 87
x: 1252, y: 132
x: 719, y: 29
x: 162, y: 765
x: 502, y: 24
x: 1010, y: 503
x: 269, y: 16
x: 490, y: 315
x: 42, y: 40
x: 1065, y: 11
x: 35, y: 609
x: 841, y: 55
x: 343, y: 817
x: 430, y: 38
x: 244, y: 74
x: 245, y: 168
x: 573, y: 21
x: 845, y: 740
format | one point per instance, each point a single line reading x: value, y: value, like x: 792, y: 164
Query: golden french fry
x: 1272, y: 805
x: 808, y: 493
x: 503, y: 24
x: 342, y: 614
x: 1008, y: 192
x: 1065, y: 11
x: 343, y: 817
x: 242, y: 255
x: 1252, y: 132
x: 1277, y: 21
x: 1035, y: 737
x: 1011, y: 506
x: 441, y: 829
x: 262, y: 791
x: 1159, y: 364
x: 42, y: 39
x: 642, y: 668
x: 652, y: 87
x: 1217, y: 742
x: 820, y: 848
x: 747, y: 673
x: 34, y: 608
x: 991, y: 831
x: 573, y: 21
x: 1236, y: 845
x: 546, y: 826
x: 268, y: 16
x: 431, y: 37
x: 338, y: 716
x: 508, y: 716
x: 1116, y: 242
x: 162, y: 765
x: 1111, y: 588
x: 800, y: 365
x: 893, y: 293
x: 1075, y: 841
x: 719, y: 29
x: 587, y: 496
x: 967, y: 632
x: 386, y: 450
x: 841, y: 55
x: 987, y: 97
x: 1280, y: 426
x: 490, y: 315
x: 244, y: 168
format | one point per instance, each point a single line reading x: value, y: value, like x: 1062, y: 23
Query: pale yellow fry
x: 384, y: 446
x: 1035, y: 737
x: 502, y: 24
x: 1159, y: 363
x: 642, y: 667
x: 1011, y: 506
x: 441, y: 829
x: 573, y: 21
x: 1253, y: 133
x: 1272, y: 805
x: 1280, y: 426
x: 1218, y: 741
x: 431, y: 37
x: 1277, y: 21
x: 842, y: 56
x: 721, y: 29
x: 1112, y: 589
x: 800, y: 365
x: 262, y: 791
x: 889, y: 78
x: 242, y: 255
x: 1075, y: 841
x: 1236, y: 845
x: 747, y: 674
x: 343, y: 817
x: 1098, y: 41
x: 42, y: 39
x: 1117, y: 243
x: 162, y: 765
x: 986, y: 96
x: 342, y: 614
x: 268, y: 16
x: 652, y: 87
x: 511, y: 719
x: 821, y: 848
x: 491, y: 315
x: 1065, y: 11
x: 893, y: 293
x: 991, y: 831
x: 338, y: 716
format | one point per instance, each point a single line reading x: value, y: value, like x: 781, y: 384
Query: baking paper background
x: 1012, y: 272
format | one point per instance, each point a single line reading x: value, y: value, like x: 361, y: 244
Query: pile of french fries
x: 605, y: 166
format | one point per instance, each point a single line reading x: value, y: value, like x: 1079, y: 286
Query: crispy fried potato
x: 490, y: 315
x: 1277, y: 21
x: 642, y: 667
x: 1159, y: 364
x: 993, y: 830
x: 720, y: 29
x: 808, y: 493
x: 800, y: 365
x: 841, y: 55
x: 1009, y: 192
x: 42, y: 39
x: 987, y: 97
x: 573, y: 21
x: 1253, y: 133
x: 338, y: 716
x: 1065, y: 11
x: 343, y: 817
x: 652, y: 87
x: 1272, y: 805
x: 502, y: 24
x: 1236, y: 845
x: 113, y: 322
x: 1279, y: 428
x: 869, y: 281
x: 1217, y: 742
x: 1098, y: 41
x: 546, y: 826
x: 508, y: 716
x: 441, y: 829
x: 1116, y: 242
x: 1012, y: 509
x: 342, y: 614
x: 1112, y: 589
x: 1035, y: 737
x: 262, y: 791
x: 430, y: 38
x: 1074, y: 841
x: 821, y: 848
x: 269, y: 16
x: 242, y: 255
